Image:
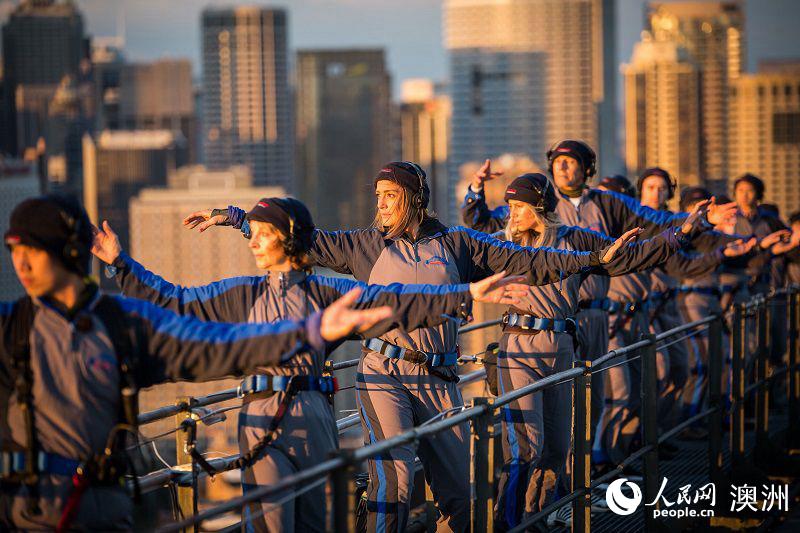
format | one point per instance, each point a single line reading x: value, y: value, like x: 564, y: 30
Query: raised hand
x: 612, y: 250
x: 484, y: 174
x: 105, y: 244
x: 739, y: 247
x: 774, y: 238
x: 499, y: 289
x: 698, y: 211
x: 720, y: 214
x: 339, y: 320
x: 202, y: 220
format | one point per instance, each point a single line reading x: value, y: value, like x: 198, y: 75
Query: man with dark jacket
x: 72, y: 358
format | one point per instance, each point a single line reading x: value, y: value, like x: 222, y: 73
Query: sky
x: 410, y: 30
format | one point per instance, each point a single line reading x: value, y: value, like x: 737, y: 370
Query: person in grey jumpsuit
x: 539, y: 340
x: 282, y: 230
x: 76, y: 375
x: 407, y: 378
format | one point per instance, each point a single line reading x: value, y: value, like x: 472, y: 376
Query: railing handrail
x: 468, y: 414
x: 166, y: 411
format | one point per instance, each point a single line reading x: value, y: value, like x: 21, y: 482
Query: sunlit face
x: 655, y: 191
x: 522, y: 218
x: 389, y: 197
x: 266, y: 244
x: 38, y: 272
x: 568, y: 173
x: 745, y: 195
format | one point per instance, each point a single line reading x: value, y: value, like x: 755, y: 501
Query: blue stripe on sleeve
x: 193, y: 330
x: 6, y: 308
x: 506, y: 245
x: 647, y: 213
x: 186, y: 295
x: 372, y: 292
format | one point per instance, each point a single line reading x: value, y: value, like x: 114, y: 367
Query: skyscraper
x: 43, y: 42
x: 425, y: 133
x: 662, y: 108
x: 246, y: 104
x: 18, y: 180
x: 524, y: 74
x: 158, y: 96
x: 343, y: 133
x: 765, y: 132
x: 121, y: 163
x: 712, y: 34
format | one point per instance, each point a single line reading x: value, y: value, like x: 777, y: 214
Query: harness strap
x: 598, y: 303
x: 271, y: 383
x: 530, y: 322
x: 412, y: 356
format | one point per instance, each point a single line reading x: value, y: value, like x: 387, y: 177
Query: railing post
x: 794, y: 372
x: 343, y: 491
x: 737, y: 386
x: 582, y: 446
x: 184, y: 440
x: 649, y: 413
x: 762, y: 390
x: 715, y: 426
x: 482, y: 467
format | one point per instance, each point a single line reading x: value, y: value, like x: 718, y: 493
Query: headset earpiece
x: 290, y: 245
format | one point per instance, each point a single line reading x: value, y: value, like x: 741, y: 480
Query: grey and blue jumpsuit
x: 307, y: 433
x: 396, y: 394
x: 76, y: 391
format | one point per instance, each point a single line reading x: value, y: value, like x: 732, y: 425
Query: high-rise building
x: 247, y: 114
x: 118, y: 164
x: 344, y: 133
x: 765, y: 132
x: 524, y: 73
x: 662, y: 108
x: 18, y: 180
x: 158, y: 96
x: 712, y: 33
x: 43, y: 43
x: 610, y: 156
x: 107, y: 63
x: 425, y: 133
x: 161, y: 243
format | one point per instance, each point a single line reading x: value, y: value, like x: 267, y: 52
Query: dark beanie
x: 407, y: 175
x: 289, y: 215
x: 618, y: 183
x: 692, y: 195
x: 57, y: 224
x: 534, y: 189
x: 577, y: 150
x: 756, y: 182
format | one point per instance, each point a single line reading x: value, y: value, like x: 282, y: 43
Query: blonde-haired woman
x: 407, y: 378
x: 539, y: 340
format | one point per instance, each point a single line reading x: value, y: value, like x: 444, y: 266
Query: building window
x: 786, y: 128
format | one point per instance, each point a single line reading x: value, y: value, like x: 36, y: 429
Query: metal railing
x: 340, y: 469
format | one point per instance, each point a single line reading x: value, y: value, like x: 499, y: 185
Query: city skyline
x: 154, y: 30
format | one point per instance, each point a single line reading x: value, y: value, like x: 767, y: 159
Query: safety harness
x: 107, y: 468
x: 258, y: 387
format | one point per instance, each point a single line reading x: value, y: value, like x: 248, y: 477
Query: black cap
x: 661, y: 173
x: 289, y: 215
x: 755, y: 181
x: 534, y: 189
x: 57, y: 224
x: 578, y: 150
x: 618, y: 183
x: 692, y: 195
x: 408, y: 175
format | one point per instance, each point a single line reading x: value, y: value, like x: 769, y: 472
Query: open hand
x: 339, y: 319
x: 698, y: 211
x: 739, y: 247
x: 626, y: 237
x: 774, y: 238
x: 203, y: 220
x: 105, y: 244
x: 499, y: 289
x: 484, y: 174
x: 720, y: 214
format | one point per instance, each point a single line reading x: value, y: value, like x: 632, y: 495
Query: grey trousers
x: 394, y: 396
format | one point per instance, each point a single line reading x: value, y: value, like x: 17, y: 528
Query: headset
x: 591, y: 167
x: 661, y: 173
x: 292, y: 244
x: 542, y: 192
x: 418, y: 200
x: 74, y: 249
